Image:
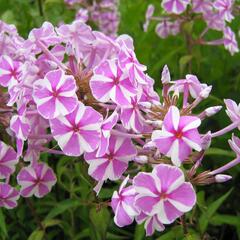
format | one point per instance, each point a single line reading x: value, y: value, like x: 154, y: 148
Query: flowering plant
x: 76, y: 92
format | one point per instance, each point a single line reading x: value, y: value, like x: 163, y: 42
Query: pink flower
x: 78, y: 34
x: 164, y: 192
x: 202, y: 6
x: 20, y: 126
x: 82, y: 15
x: 8, y: 160
x: 8, y: 196
x: 106, y: 128
x: 114, y: 163
x: 225, y: 7
x: 131, y: 115
x: 123, y: 204
x: 175, y: 6
x: 235, y: 144
x: 55, y: 94
x: 230, y: 42
x: 79, y: 131
x: 214, y: 20
x: 163, y: 29
x: 128, y: 60
x: 9, y: 70
x: 45, y: 34
x: 111, y: 82
x: 36, y: 179
x: 151, y: 224
x: 148, y: 15
x: 179, y: 135
x: 233, y: 110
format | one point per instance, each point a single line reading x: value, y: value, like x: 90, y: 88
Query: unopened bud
x: 206, y: 140
x: 165, y: 75
x: 141, y: 159
x: 51, y: 64
x: 220, y: 178
x: 147, y: 105
x: 205, y: 92
x: 149, y: 145
x: 212, y: 110
x: 157, y: 124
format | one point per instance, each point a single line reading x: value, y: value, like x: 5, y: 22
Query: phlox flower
x: 55, y: 94
x: 151, y: 224
x: 179, y: 135
x: 164, y: 192
x: 230, y: 42
x: 106, y: 128
x: 163, y: 29
x: 175, y: 6
x: 114, y: 162
x: 8, y: 196
x: 233, y: 110
x: 235, y: 144
x: 225, y: 7
x: 148, y: 15
x: 202, y: 6
x: 36, y: 179
x: 8, y: 160
x: 111, y: 82
x: 9, y: 70
x: 123, y: 204
x: 79, y: 131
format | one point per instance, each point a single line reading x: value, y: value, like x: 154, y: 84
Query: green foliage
x: 71, y: 210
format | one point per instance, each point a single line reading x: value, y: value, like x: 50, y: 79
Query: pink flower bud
x: 141, y: 159
x: 212, y: 110
x: 206, y: 140
x: 206, y: 92
x: 165, y: 75
x: 220, y: 178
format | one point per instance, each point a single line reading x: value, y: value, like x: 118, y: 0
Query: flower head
x: 55, y: 94
x: 8, y: 196
x: 123, y: 204
x: 175, y: 6
x: 164, y: 192
x: 36, y: 179
x: 179, y: 135
x: 79, y: 131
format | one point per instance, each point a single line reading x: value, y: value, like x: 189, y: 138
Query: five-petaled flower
x: 8, y: 196
x: 163, y: 192
x: 179, y: 135
x: 36, y: 179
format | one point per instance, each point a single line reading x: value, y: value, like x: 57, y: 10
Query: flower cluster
x: 104, y: 14
x: 88, y: 95
x: 215, y: 13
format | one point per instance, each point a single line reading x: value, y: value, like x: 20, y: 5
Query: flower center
x: 163, y: 196
x: 178, y: 134
x: 76, y: 128
x: 110, y: 156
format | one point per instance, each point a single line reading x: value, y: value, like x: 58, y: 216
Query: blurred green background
x: 71, y: 210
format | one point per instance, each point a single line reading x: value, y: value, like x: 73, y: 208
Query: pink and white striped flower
x: 235, y: 144
x: 202, y: 6
x: 106, y: 128
x: 179, y: 135
x: 110, y: 82
x: 151, y: 224
x: 114, y: 163
x: 128, y: 60
x: 20, y: 126
x: 229, y: 41
x: 224, y: 8
x: 8, y: 160
x: 9, y: 70
x: 175, y: 6
x: 36, y: 179
x: 233, y: 110
x: 164, y: 192
x: 8, y: 196
x: 123, y: 204
x: 55, y: 95
x: 79, y: 131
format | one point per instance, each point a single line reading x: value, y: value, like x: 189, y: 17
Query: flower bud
x: 141, y: 159
x: 157, y: 124
x: 220, y: 178
x: 212, y: 110
x: 165, y: 75
x: 206, y: 141
x: 206, y: 92
x: 150, y: 145
x: 147, y: 105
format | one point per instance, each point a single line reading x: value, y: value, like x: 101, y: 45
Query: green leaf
x: 100, y: 220
x: 218, y: 151
x: 220, y: 219
x: 174, y: 233
x: 207, y: 215
x: 62, y: 207
x: 36, y: 235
